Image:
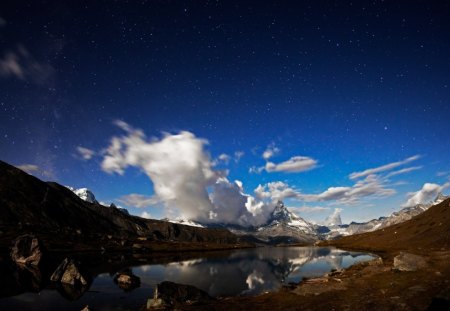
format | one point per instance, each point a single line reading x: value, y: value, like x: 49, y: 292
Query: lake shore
x: 374, y: 285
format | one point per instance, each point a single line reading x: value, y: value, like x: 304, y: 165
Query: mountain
x: 283, y: 227
x: 84, y: 193
x: 65, y: 221
x: 395, y: 218
x: 428, y: 230
x: 334, y: 219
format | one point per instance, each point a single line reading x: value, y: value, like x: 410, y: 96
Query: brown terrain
x: 374, y: 285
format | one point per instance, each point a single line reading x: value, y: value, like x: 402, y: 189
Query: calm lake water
x: 230, y: 273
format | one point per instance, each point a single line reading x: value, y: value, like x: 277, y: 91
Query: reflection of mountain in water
x: 249, y: 272
x: 240, y: 272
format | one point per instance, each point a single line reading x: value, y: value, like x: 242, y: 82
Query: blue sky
x: 349, y: 87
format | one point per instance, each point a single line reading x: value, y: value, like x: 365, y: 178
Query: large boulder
x: 127, y: 280
x: 169, y: 294
x: 68, y: 272
x: 27, y: 250
x: 409, y: 262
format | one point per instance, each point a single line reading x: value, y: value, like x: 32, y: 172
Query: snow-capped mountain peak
x: 281, y: 213
x: 84, y: 193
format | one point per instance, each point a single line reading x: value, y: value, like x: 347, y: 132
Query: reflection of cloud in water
x: 254, y: 279
x: 250, y: 271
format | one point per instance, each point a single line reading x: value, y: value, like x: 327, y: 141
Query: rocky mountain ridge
x: 48, y: 209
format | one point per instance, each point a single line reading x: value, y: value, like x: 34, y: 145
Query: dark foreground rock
x: 27, y: 250
x: 168, y: 294
x: 68, y: 272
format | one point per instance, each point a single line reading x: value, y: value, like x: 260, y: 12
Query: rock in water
x: 408, y: 262
x: 127, y: 280
x: 169, y: 293
x: 27, y: 250
x: 68, y: 272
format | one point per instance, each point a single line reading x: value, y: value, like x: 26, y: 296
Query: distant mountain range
x: 284, y: 227
x: 395, y: 218
x: 26, y: 203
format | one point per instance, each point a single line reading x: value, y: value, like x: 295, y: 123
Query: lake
x: 221, y: 273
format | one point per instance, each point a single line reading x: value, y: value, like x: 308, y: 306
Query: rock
x: 409, y: 262
x: 127, y: 280
x: 169, y: 293
x: 27, y: 250
x: 68, y: 272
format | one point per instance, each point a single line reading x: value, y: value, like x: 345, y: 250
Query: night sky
x: 325, y: 104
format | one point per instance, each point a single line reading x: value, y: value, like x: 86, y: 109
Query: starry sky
x: 323, y: 104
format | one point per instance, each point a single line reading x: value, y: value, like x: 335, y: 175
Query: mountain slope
x: 29, y: 204
x: 430, y: 230
x: 395, y: 218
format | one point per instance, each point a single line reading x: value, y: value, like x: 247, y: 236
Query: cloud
x: 309, y: 209
x: 256, y: 170
x: 19, y: 63
x: 138, y: 200
x: 222, y: 159
x: 404, y: 171
x: 33, y: 169
x: 334, y: 218
x: 146, y: 215
x: 371, y: 186
x: 383, y: 168
x: 270, y: 151
x: 85, y: 153
x: 183, y: 177
x: 428, y: 192
x: 293, y: 165
x: 276, y: 191
x: 238, y: 155
x: 29, y: 168
x: 177, y: 164
x: 2, y: 22
x: 443, y: 173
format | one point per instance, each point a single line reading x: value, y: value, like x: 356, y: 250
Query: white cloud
x: 293, y: 165
x: 238, y: 155
x: 256, y: 170
x: 29, y: 168
x: 177, y: 164
x: 334, y: 218
x: 404, y: 171
x: 428, y: 192
x: 85, y: 153
x: 19, y: 63
x: 308, y: 209
x: 138, y: 200
x: 182, y: 171
x: 371, y: 186
x: 275, y: 191
x: 231, y: 205
x: 33, y: 169
x: 270, y: 151
x: 443, y: 173
x: 382, y: 168
x: 222, y: 158
x: 146, y: 215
